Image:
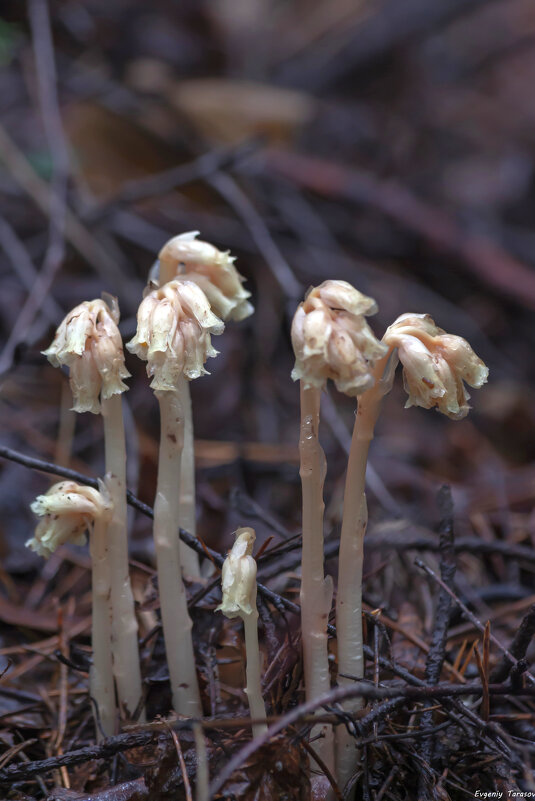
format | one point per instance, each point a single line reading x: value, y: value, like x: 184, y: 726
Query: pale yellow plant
x: 331, y: 340
x: 185, y: 256
x: 435, y: 365
x: 89, y: 343
x: 175, y: 322
x: 239, y: 600
x: 67, y: 511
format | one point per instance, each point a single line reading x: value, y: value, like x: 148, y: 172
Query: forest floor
x: 391, y: 149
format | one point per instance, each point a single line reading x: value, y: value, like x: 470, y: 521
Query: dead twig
x: 144, y: 734
x: 518, y: 647
x: 437, y: 650
x: 471, y: 617
x: 481, y: 257
x: 57, y: 193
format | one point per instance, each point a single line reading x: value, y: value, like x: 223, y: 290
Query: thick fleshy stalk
x: 349, y: 593
x: 316, y: 589
x: 253, y: 688
x: 101, y: 683
x: 202, y: 783
x: 176, y: 621
x: 187, y: 512
x: 126, y: 664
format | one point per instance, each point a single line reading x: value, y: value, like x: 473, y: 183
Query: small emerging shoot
x: 239, y: 600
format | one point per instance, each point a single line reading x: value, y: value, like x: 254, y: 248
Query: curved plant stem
x: 125, y: 650
x: 101, y: 683
x: 349, y: 593
x: 316, y: 590
x: 187, y: 515
x: 176, y: 621
x: 253, y: 690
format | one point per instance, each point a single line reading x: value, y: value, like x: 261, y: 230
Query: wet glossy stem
x: 253, y: 689
x: 202, y: 783
x: 349, y: 593
x: 316, y: 590
x: 187, y: 515
x: 125, y: 650
x: 176, y: 621
x: 101, y: 683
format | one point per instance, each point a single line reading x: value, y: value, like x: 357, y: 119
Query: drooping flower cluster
x: 331, y: 338
x: 174, y: 323
x: 185, y: 256
x: 239, y: 576
x: 435, y: 365
x: 68, y: 510
x: 88, y: 342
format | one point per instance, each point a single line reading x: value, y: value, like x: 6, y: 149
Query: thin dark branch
x: 162, y: 182
x: 479, y: 255
x: 472, y: 544
x: 437, y: 650
x: 470, y: 615
x: 518, y: 647
x: 45, y: 71
x: 228, y: 189
x: 145, y: 733
x: 339, y: 694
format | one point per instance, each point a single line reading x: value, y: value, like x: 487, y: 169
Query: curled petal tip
x: 185, y: 256
x: 436, y: 365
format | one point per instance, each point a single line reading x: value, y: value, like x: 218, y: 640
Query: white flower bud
x: 435, y: 364
x: 185, y: 256
x: 239, y: 577
x: 174, y: 323
x: 331, y: 338
x: 89, y: 343
x: 68, y: 510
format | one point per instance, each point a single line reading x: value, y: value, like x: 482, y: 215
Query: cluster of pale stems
x: 195, y: 289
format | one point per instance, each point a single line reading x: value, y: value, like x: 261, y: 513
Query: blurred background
x: 388, y: 144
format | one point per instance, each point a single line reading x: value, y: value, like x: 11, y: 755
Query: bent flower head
x: 331, y: 338
x: 88, y: 342
x: 174, y: 324
x: 435, y: 365
x: 67, y: 510
x: 239, y: 577
x: 185, y: 256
